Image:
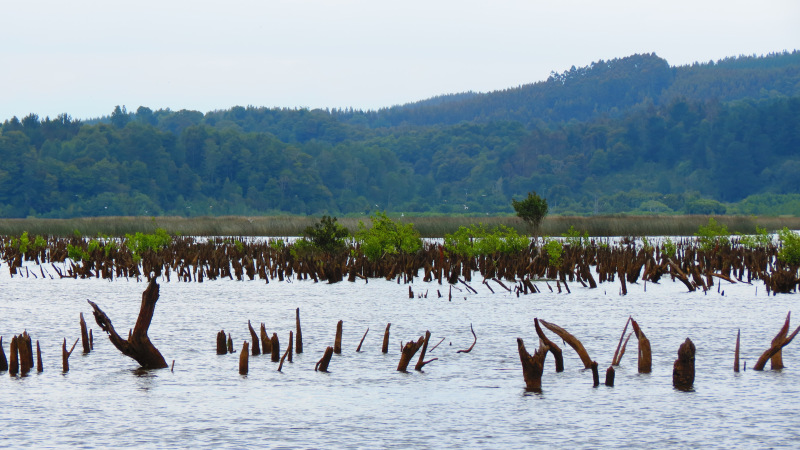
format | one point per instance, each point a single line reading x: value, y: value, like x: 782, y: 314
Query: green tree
x: 532, y: 210
x: 327, y: 235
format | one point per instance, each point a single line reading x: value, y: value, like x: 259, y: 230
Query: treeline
x: 630, y: 135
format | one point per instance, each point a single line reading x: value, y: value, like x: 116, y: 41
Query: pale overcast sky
x: 84, y: 57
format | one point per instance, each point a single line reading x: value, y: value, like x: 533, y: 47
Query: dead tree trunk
x: 362, y: 340
x: 475, y: 339
x: 13, y: 366
x: 532, y: 365
x: 645, y: 356
x: 385, y: 348
x: 256, y: 349
x: 683, y: 369
x: 736, y: 353
x: 85, y: 336
x: 421, y: 362
x: 299, y: 336
x: 337, y: 343
x: 610, y: 376
x: 244, y: 359
x: 222, y: 348
x: 408, y: 352
x: 322, y: 364
x: 595, y: 375
x: 138, y: 345
x: 25, y: 353
x: 558, y: 355
x: 276, y: 348
x: 572, y: 341
x: 39, y: 366
x: 230, y: 344
x: 65, y: 355
x: 3, y: 360
x: 778, y: 342
x: 266, y: 343
x: 614, y: 360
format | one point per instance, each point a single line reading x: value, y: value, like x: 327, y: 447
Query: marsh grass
x: 427, y: 226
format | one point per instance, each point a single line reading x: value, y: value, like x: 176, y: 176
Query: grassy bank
x: 428, y: 226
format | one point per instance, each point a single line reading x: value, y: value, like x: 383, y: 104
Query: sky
x: 84, y: 57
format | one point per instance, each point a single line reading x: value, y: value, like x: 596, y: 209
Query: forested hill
x: 627, y: 135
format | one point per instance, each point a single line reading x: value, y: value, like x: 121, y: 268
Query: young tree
x: 532, y: 210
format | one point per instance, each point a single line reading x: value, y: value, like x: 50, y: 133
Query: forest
x: 632, y: 135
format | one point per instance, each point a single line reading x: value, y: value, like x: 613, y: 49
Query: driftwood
x: 255, y: 349
x: 572, y: 341
x: 299, y: 336
x: 138, y: 345
x: 85, y: 336
x: 473, y: 342
x: 65, y: 355
x: 610, y: 376
x: 362, y: 340
x: 337, y: 342
x: 774, y: 352
x: 322, y: 364
x: 437, y: 344
x: 532, y: 365
x: 222, y: 348
x: 385, y: 348
x: 645, y: 356
x: 558, y: 355
x: 408, y: 352
x: 683, y: 369
x: 736, y: 353
x: 287, y: 353
x: 622, y: 350
x: 244, y: 359
x: 421, y: 362
x: 276, y: 348
x: 3, y: 360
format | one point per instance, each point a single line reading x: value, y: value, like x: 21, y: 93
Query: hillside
x: 630, y: 135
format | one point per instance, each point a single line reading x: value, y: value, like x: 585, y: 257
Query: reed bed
x: 428, y: 226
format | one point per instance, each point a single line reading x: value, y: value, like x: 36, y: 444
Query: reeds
x: 428, y: 226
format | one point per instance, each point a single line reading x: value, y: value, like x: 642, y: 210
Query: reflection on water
x: 475, y: 399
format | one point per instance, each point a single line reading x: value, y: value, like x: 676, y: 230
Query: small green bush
x: 712, y: 235
x: 477, y: 240
x: 761, y: 239
x: 326, y: 236
x: 387, y: 237
x: 574, y: 238
x: 670, y: 249
x: 140, y: 243
x: 790, y: 247
x: 554, y: 249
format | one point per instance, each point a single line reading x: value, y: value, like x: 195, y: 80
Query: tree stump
x: 85, y: 336
x: 13, y: 366
x: 39, y: 365
x: 595, y: 375
x: 774, y: 352
x: 3, y: 360
x: 65, y: 355
x: 683, y: 369
x: 408, y: 352
x: 558, y: 355
x: 337, y: 343
x: 645, y: 356
x: 138, y: 345
x: 222, y: 348
x: 299, y: 336
x: 230, y: 344
x: 276, y: 348
x: 322, y: 364
x: 244, y: 359
x: 385, y: 348
x: 610, y: 376
x: 736, y: 353
x: 532, y: 365
x: 421, y: 362
x: 256, y: 349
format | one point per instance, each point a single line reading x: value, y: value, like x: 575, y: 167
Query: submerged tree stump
x: 138, y: 345
x: 385, y: 348
x: 645, y: 355
x: 13, y: 365
x: 610, y: 372
x: 421, y: 362
x: 3, y: 360
x: 65, y: 355
x: 778, y: 342
x: 337, y: 343
x: 222, y: 347
x: 532, y: 365
x: 408, y: 352
x: 39, y: 365
x: 299, y: 336
x: 322, y: 364
x: 85, y: 336
x: 276, y: 348
x: 558, y: 355
x: 254, y: 338
x: 244, y: 359
x: 683, y: 369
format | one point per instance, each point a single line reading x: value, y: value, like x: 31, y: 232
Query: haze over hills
x: 628, y: 135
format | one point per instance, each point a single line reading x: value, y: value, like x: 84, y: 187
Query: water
x: 475, y: 400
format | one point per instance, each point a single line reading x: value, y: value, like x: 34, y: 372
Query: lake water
x: 474, y: 400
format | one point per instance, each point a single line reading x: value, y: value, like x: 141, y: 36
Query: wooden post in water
x: 322, y: 364
x: 362, y: 340
x: 276, y: 348
x: 736, y: 353
x: 289, y: 347
x: 39, y: 366
x: 3, y: 360
x: 610, y: 376
x: 532, y: 365
x: 244, y: 359
x: 25, y: 353
x: 421, y: 362
x: 222, y: 348
x: 230, y: 344
x: 299, y: 336
x: 266, y: 343
x: 408, y: 352
x: 65, y: 355
x: 385, y: 348
x: 13, y: 366
x: 683, y: 368
x: 256, y: 349
x: 617, y: 356
x: 337, y: 343
x: 645, y: 356
x: 85, y: 336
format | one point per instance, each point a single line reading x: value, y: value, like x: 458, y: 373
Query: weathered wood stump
x: 595, y: 375
x: 610, y: 376
x: 244, y: 359
x: 39, y: 365
x: 362, y: 340
x: 617, y: 356
x: 13, y: 365
x: 65, y: 355
x: 558, y: 355
x: 645, y: 355
x: 276, y: 348
x: 322, y: 364
x: 532, y: 365
x: 299, y: 336
x: 736, y: 353
x: 25, y: 353
x: 385, y: 348
x: 778, y: 342
x: 475, y: 339
x: 138, y: 345
x: 408, y: 352
x: 255, y: 348
x: 337, y: 343
x: 222, y: 347
x: 266, y: 342
x: 421, y: 362
x: 230, y: 344
x: 3, y: 360
x: 572, y: 341
x: 683, y: 369
x: 85, y: 336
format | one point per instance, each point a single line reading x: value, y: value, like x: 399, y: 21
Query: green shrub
x: 574, y: 238
x: 670, y: 249
x: 478, y: 240
x: 554, y: 249
x: 712, y: 235
x: 326, y: 236
x: 761, y: 239
x: 790, y: 247
x: 387, y: 237
x: 140, y: 243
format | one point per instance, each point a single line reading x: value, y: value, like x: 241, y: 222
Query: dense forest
x: 629, y: 135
